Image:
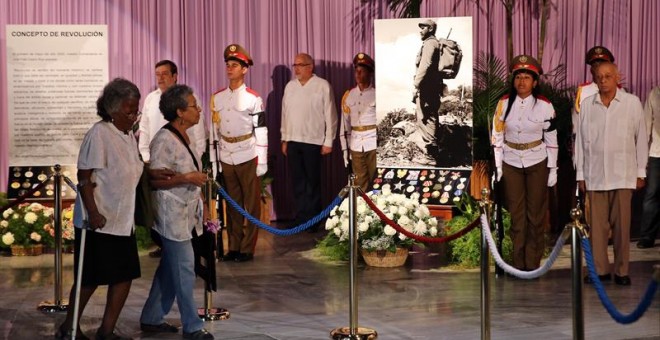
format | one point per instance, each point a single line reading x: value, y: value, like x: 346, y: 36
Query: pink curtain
x: 194, y: 34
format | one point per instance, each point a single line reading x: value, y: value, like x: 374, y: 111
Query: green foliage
x: 25, y: 225
x: 561, y: 98
x: 490, y: 84
x: 3, y: 199
x: 334, y: 250
x: 466, y: 251
x: 143, y: 237
x: 405, y: 8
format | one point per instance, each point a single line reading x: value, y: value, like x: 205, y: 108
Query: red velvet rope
x: 424, y: 239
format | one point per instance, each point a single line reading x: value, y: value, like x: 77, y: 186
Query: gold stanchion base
x: 344, y: 333
x: 53, y: 307
x: 213, y: 314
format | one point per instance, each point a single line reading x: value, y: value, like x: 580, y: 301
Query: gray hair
x: 174, y: 99
x: 113, y: 96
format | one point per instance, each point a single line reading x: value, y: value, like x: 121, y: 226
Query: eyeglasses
x: 300, y: 65
x: 195, y: 106
x: 136, y: 114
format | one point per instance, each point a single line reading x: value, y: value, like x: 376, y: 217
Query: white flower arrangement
x: 373, y: 233
x: 24, y: 225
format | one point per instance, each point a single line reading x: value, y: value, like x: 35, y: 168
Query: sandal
x: 63, y: 334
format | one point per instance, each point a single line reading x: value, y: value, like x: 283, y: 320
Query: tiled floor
x: 285, y: 293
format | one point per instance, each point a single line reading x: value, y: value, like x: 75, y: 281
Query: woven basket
x: 34, y: 250
x: 384, y: 258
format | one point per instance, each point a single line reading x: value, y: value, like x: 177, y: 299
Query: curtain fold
x: 194, y: 33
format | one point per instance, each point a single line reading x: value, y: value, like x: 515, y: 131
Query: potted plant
x: 378, y: 242
x: 24, y: 229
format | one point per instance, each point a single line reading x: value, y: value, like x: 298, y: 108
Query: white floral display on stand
x: 373, y: 233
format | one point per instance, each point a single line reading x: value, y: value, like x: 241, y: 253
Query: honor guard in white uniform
x: 525, y: 145
x: 357, y: 131
x: 239, y: 127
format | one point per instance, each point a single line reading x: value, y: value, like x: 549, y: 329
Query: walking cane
x: 76, y: 303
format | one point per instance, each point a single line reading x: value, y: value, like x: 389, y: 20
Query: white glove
x: 345, y: 153
x: 498, y: 174
x: 261, y: 169
x: 552, y: 177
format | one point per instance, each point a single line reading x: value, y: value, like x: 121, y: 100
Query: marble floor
x: 287, y: 293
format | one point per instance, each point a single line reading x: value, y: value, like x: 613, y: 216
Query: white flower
x: 386, y: 190
x: 4, y: 224
x: 402, y: 237
x: 337, y: 231
x: 8, y: 238
x: 36, y: 237
x: 393, y: 209
x: 433, y: 231
x: 420, y: 228
x: 48, y: 212
x: 433, y: 222
x: 35, y: 207
x: 30, y: 217
x: 7, y: 213
x: 389, y: 215
x: 361, y: 208
x: 363, y: 226
x: 403, y: 210
x: 333, y: 212
x: 15, y: 216
x: 404, y: 221
x: 389, y: 231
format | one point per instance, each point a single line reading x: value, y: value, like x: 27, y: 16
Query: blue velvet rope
x: 286, y: 232
x: 605, y: 300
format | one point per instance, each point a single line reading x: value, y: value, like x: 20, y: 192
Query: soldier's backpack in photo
x: 450, y: 58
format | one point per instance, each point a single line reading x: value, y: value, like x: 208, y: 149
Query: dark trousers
x: 526, y: 195
x: 304, y: 162
x: 651, y: 214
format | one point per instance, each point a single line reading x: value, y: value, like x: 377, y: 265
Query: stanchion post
x: 577, y: 232
x: 353, y: 332
x: 210, y: 313
x: 58, y: 304
x: 486, y: 205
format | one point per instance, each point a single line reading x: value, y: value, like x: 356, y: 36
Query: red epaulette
x: 586, y: 84
x: 249, y: 90
x: 544, y: 98
x: 218, y: 91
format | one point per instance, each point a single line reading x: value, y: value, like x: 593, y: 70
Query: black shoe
x: 244, y: 257
x: 200, y: 334
x: 231, y: 256
x: 622, y: 280
x: 162, y: 328
x: 156, y: 253
x: 645, y: 243
x: 63, y: 334
x: 602, y: 278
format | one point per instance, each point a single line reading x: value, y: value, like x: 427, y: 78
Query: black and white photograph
x: 424, y: 97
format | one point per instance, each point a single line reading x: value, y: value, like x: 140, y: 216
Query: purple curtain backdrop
x: 194, y: 34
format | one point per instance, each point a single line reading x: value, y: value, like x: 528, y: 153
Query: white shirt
x: 117, y: 168
x: 236, y: 117
x: 152, y: 120
x: 652, y: 115
x: 178, y: 210
x: 308, y: 112
x: 526, y: 123
x: 359, y: 109
x: 611, y: 148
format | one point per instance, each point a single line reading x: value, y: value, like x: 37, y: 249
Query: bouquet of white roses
x: 373, y: 233
x: 26, y: 225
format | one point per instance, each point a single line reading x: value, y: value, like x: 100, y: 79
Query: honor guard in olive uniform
x: 358, y: 128
x: 525, y: 145
x: 239, y: 127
